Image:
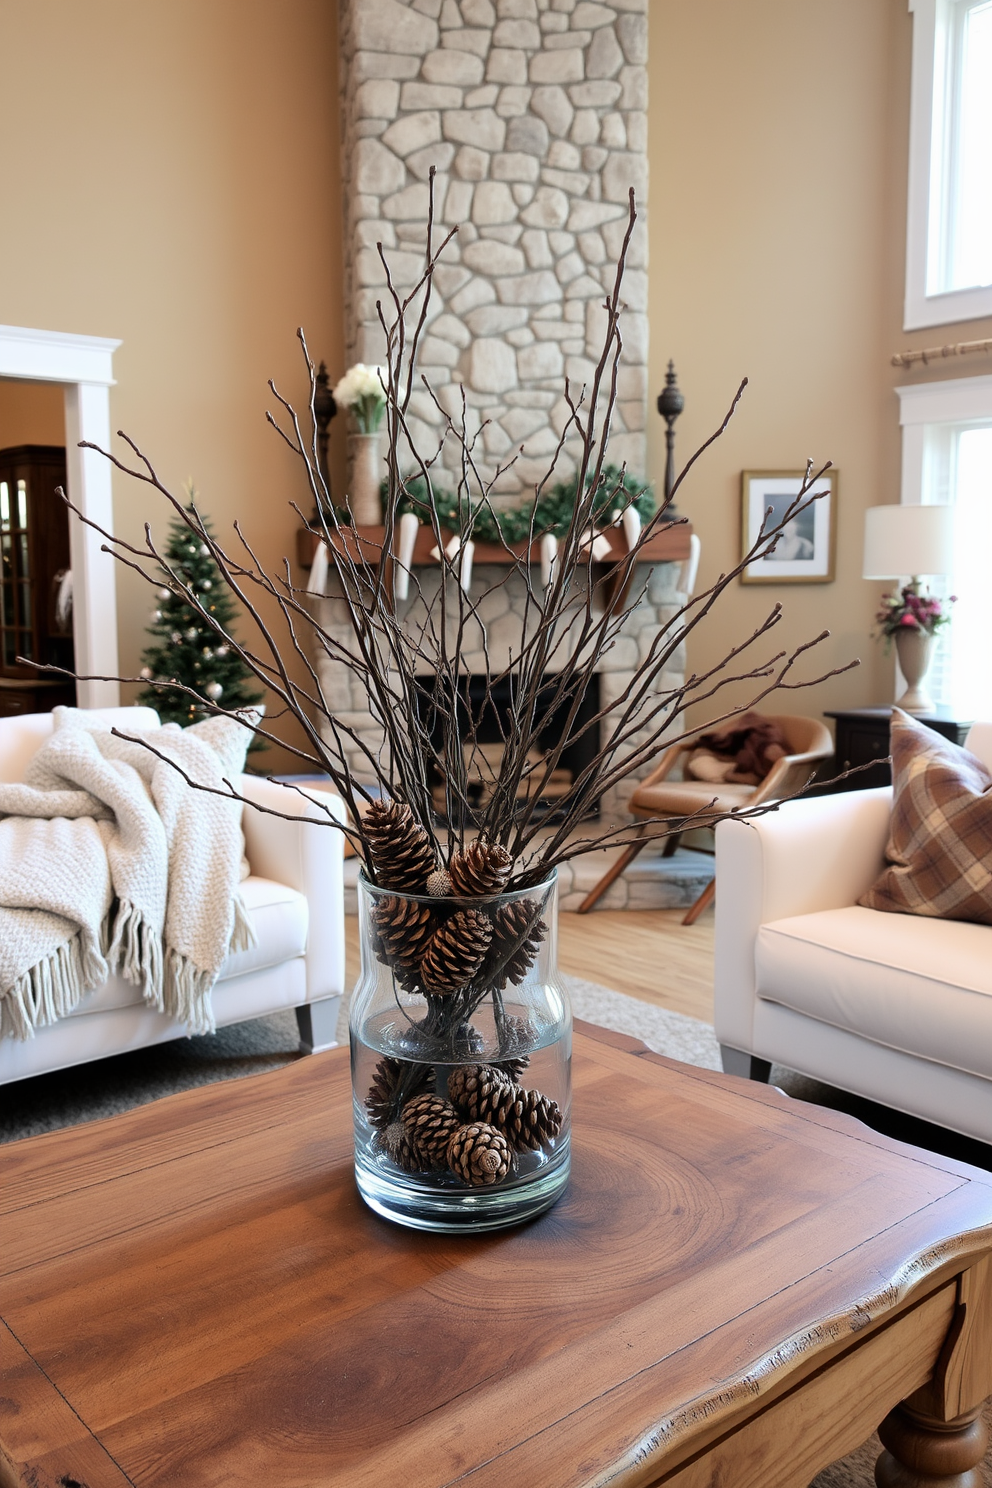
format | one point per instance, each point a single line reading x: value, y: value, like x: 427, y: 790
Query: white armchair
x: 295, y: 900
x: 897, y: 1008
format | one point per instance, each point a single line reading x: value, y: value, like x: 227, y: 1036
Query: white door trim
x: 84, y: 365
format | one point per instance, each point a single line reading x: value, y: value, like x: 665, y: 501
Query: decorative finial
x: 670, y: 405
x: 324, y: 409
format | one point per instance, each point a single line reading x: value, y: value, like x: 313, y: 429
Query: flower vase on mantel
x: 367, y: 472
x: 914, y: 647
x: 461, y: 1057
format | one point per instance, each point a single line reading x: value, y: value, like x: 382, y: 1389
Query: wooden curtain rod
x: 934, y: 353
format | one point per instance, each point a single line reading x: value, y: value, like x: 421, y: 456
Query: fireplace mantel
x: 670, y: 545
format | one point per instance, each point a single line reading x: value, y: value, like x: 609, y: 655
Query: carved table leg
x: 926, y: 1453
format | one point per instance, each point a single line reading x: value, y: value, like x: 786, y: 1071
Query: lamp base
x: 913, y: 648
x: 915, y: 700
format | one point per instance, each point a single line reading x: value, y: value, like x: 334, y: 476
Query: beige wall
x: 778, y: 137
x: 169, y: 176
x: 31, y: 413
x: 172, y: 174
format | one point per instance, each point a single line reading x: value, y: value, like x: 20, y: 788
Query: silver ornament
x: 192, y: 633
x: 176, y: 638
x: 213, y: 690
x: 145, y: 674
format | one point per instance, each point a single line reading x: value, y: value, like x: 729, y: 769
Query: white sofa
x: 295, y: 900
x: 894, y: 1007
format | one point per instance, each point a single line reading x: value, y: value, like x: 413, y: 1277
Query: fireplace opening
x: 488, y: 715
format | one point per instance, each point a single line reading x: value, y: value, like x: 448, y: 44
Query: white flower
x: 361, y: 390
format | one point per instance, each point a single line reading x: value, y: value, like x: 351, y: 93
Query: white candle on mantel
x: 549, y: 555
x: 317, y: 582
x: 598, y: 545
x: 409, y: 524
x: 631, y: 526
x: 465, y: 566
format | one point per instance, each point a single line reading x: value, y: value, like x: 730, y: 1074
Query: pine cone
x: 401, y: 1149
x: 456, y: 951
x: 439, y: 884
x: 403, y: 927
x: 472, y: 1089
x: 517, y: 935
x: 479, y: 1155
x: 483, y: 868
x: 430, y: 1122
x: 402, y: 852
x: 528, y: 1119
x: 381, y: 1103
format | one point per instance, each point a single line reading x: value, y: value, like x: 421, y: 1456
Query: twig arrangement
x: 566, y: 628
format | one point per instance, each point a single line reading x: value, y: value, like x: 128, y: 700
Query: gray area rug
x: 92, y: 1092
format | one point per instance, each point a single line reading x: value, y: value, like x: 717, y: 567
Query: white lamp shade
x: 905, y: 541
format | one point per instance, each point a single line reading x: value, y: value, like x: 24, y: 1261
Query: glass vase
x: 461, y: 1095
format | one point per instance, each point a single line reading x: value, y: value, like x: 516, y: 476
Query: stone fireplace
x: 533, y: 114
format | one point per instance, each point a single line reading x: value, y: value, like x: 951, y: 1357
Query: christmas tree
x: 186, y: 648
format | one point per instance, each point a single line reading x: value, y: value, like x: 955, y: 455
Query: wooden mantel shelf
x: 670, y: 545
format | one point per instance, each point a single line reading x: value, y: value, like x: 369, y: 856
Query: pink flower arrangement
x: 910, y: 610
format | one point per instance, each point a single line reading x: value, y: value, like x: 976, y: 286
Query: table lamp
x: 906, y: 542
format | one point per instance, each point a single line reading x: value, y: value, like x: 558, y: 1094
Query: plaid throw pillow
x: 939, y: 851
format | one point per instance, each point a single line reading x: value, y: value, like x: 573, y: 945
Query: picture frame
x: 804, y: 555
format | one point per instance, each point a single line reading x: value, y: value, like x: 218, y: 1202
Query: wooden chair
x: 657, y: 796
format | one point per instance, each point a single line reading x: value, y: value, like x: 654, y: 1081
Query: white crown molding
x: 53, y: 356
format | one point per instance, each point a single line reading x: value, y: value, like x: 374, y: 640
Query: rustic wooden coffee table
x: 735, y: 1289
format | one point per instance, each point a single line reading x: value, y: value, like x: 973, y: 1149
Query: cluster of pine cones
x: 486, y: 1118
x: 435, y: 948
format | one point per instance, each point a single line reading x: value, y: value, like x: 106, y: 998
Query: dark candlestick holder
x: 324, y: 409
x: 670, y: 405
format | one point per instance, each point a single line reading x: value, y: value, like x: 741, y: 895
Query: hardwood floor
x: 645, y: 953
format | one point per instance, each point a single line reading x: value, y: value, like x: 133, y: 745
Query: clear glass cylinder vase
x: 461, y: 1042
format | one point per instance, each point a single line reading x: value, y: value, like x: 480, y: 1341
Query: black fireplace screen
x: 485, y: 719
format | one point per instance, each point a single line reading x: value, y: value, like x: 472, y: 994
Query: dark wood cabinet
x: 862, y: 735
x: 34, y: 556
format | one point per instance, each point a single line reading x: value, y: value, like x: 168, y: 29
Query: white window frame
x: 83, y: 364
x: 926, y: 208
x: 929, y: 413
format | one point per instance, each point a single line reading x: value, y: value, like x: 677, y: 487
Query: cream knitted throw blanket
x: 110, y: 862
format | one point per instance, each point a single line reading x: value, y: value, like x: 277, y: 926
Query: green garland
x: 551, y: 513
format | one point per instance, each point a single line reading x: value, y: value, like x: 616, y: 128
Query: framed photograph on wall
x: 804, y: 553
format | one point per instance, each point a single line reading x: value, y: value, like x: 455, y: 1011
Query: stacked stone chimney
x: 533, y: 113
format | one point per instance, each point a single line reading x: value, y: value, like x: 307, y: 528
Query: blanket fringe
x: 135, y: 951
x: 171, y: 983
x: 243, y: 937
x: 50, y: 990
x: 187, y: 993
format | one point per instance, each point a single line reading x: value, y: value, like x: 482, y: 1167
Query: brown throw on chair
x: 731, y: 758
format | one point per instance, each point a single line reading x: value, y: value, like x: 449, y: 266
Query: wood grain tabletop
x: 194, y: 1294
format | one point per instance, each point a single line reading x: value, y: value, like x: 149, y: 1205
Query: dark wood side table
x: 862, y: 735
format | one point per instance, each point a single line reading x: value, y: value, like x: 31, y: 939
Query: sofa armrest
x: 804, y: 857
x: 306, y: 856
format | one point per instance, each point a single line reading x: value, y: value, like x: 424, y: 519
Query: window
x: 949, y: 222
x: 947, y: 458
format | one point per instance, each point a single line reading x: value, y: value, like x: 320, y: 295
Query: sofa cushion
x: 281, y: 919
x: 939, y: 852
x: 922, y: 986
